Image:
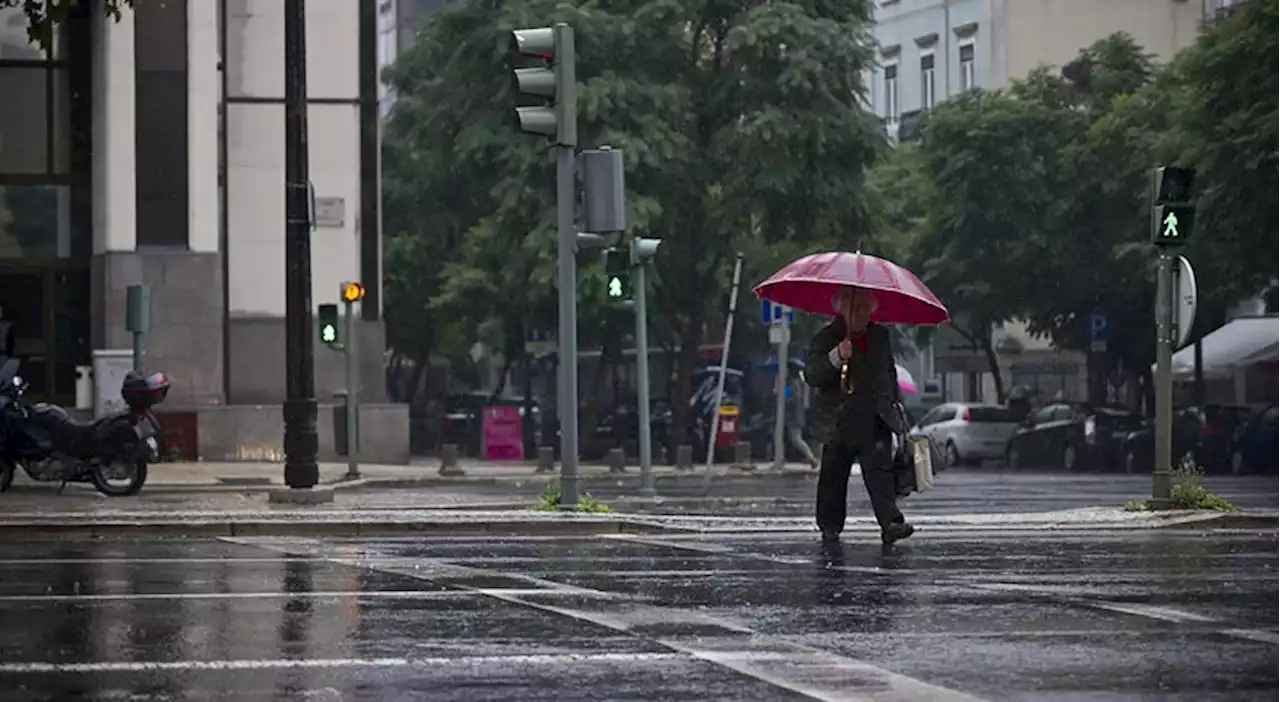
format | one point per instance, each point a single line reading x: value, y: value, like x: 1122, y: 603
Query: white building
x: 151, y: 150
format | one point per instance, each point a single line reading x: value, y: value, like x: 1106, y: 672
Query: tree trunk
x: 993, y: 363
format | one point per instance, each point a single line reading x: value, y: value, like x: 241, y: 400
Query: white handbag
x: 921, y: 461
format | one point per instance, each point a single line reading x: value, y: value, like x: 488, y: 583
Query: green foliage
x: 742, y: 126
x: 549, y: 501
x: 44, y: 15
x: 1187, y: 492
x: 1032, y: 202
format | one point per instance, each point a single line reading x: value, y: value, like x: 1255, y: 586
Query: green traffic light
x: 615, y: 287
x: 328, y: 334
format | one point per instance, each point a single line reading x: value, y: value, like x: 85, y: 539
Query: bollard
x: 684, y: 457
x: 616, y: 461
x: 546, y: 459
x: 742, y: 457
x: 449, y: 461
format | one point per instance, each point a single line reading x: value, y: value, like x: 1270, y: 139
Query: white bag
x: 921, y: 461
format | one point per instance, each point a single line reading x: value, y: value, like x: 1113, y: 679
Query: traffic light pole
x: 642, y: 381
x: 567, y: 236
x: 1161, y: 475
x: 349, y: 348
x: 300, y: 440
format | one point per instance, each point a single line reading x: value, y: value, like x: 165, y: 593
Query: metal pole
x: 724, y: 367
x: 300, y: 441
x: 353, y: 396
x: 780, y: 402
x: 1161, y: 478
x: 642, y: 383
x: 139, y: 350
x: 568, y: 293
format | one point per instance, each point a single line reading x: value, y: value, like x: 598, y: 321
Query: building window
x: 968, y: 77
x: 928, y: 84
x: 160, y: 59
x: 891, y: 93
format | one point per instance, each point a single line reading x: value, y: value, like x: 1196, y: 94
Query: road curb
x: 124, y: 529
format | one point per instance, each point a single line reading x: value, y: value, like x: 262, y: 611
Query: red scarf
x: 859, y: 340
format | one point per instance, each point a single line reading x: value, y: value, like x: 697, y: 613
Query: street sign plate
x: 773, y: 313
x: 779, y: 334
x: 1099, y: 331
x: 1184, y: 305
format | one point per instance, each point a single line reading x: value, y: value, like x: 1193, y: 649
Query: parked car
x: 967, y: 433
x: 1205, y: 433
x: 1256, y: 443
x: 1072, y: 435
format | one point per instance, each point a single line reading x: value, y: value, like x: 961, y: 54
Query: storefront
x: 46, y: 209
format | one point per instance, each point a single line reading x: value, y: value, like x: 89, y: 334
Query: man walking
x: 856, y: 414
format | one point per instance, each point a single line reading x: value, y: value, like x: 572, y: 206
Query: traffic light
x: 352, y: 292
x: 329, y: 334
x: 643, y: 249
x: 617, y: 272
x: 554, y: 78
x: 1173, y: 210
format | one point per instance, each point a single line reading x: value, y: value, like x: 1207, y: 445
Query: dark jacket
x: 852, y: 417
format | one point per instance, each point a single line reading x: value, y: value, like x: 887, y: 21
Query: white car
x: 968, y: 433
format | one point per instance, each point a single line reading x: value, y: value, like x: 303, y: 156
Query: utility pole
x: 780, y: 334
x: 1171, y: 223
x: 555, y: 79
x: 300, y: 441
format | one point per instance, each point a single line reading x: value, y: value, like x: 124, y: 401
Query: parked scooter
x: 112, y: 452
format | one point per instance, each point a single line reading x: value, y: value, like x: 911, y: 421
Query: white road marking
x: 135, y: 597
x: 1067, y: 595
x: 808, y: 671
x: 14, y: 668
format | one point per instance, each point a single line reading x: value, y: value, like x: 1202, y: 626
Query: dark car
x: 1256, y: 443
x: 620, y: 428
x: 1204, y: 432
x: 1072, y: 435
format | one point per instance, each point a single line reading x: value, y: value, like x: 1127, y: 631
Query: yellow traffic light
x: 352, y: 292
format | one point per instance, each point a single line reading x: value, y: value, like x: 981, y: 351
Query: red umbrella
x: 811, y: 283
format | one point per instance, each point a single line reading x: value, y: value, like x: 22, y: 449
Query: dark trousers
x: 876, y: 456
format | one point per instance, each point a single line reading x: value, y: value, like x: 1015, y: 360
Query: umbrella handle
x: 845, y: 383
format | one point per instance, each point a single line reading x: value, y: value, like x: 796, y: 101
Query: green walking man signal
x: 617, y: 271
x: 329, y: 334
x: 1173, y: 210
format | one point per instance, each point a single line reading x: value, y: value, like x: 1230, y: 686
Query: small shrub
x: 549, y: 501
x: 1186, y: 492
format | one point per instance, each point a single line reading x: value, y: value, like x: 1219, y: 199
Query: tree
x: 44, y: 15
x: 988, y: 174
x: 1225, y: 126
x: 740, y: 123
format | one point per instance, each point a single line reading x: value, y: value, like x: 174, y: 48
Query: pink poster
x: 503, y: 434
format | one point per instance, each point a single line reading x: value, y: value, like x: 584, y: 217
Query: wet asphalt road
x: 958, y: 491
x: 948, y: 616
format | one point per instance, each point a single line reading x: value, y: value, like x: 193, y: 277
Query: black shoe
x: 896, y: 532
x: 829, y: 535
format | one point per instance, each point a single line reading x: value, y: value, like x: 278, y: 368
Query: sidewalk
x: 240, y: 477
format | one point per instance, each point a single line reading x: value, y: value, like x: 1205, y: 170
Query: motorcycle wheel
x: 104, y: 486
x: 6, y: 475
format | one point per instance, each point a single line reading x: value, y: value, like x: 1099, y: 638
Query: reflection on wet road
x: 1006, y: 616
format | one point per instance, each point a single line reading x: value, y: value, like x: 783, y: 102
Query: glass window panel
x: 24, y: 129
x: 35, y: 222
x: 15, y: 44
x: 60, y: 124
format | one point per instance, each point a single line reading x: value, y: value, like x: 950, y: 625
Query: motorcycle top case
x: 141, y: 391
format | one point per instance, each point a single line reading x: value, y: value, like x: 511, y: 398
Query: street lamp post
x: 300, y: 441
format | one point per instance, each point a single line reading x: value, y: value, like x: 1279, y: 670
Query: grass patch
x: 1187, y: 492
x: 549, y: 501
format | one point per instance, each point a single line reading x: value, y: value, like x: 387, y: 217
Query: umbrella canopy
x: 771, y: 363
x: 811, y: 283
x: 905, y: 382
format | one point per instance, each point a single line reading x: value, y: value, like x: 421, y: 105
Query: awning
x: 1240, y: 342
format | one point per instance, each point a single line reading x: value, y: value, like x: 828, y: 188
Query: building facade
x: 150, y: 149
x: 398, y: 24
